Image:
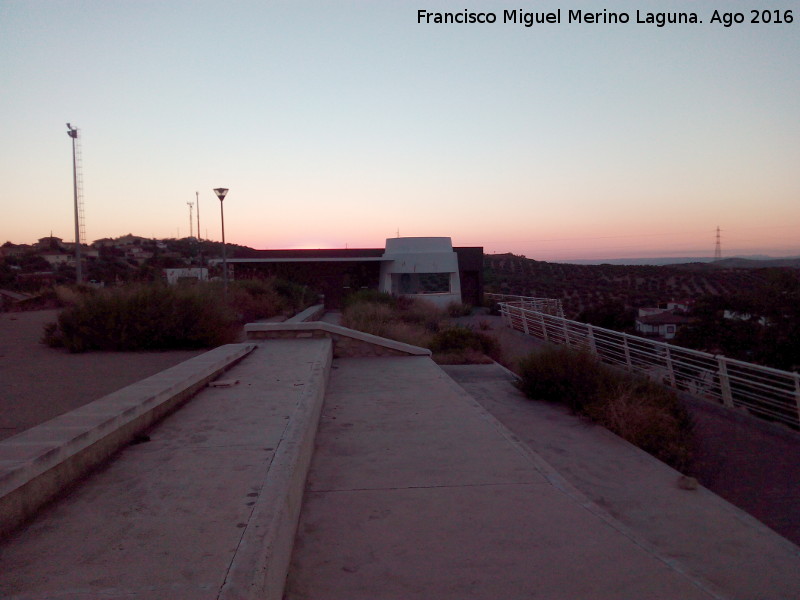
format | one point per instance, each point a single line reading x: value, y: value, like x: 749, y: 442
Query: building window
x: 421, y: 283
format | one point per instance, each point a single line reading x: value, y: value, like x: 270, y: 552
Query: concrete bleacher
x: 36, y: 464
x: 403, y: 487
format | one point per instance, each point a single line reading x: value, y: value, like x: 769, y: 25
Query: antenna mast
x: 718, y: 247
x: 190, y: 205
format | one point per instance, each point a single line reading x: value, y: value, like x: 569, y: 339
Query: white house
x: 175, y: 276
x: 421, y: 267
x: 664, y: 324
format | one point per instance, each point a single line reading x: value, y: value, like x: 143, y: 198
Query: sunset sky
x: 343, y: 122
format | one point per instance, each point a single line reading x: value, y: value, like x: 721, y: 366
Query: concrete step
x: 206, y: 508
x: 38, y: 463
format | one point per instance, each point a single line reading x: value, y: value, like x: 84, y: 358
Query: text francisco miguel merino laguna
x: 528, y: 19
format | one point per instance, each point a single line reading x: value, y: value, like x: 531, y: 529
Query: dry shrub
x: 144, y: 317
x: 159, y: 317
x: 252, y: 300
x: 420, y: 323
x: 420, y: 312
x: 369, y: 317
x: 408, y: 333
x: 649, y: 416
x: 642, y: 412
x: 468, y: 356
x: 562, y: 375
x: 458, y: 309
x: 67, y: 296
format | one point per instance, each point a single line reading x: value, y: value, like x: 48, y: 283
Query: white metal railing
x: 549, y: 306
x: 765, y: 392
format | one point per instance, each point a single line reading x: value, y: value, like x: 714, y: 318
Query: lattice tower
x: 79, y: 187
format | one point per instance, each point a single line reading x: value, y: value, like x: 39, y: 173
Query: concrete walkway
x: 711, y: 539
x: 415, y: 491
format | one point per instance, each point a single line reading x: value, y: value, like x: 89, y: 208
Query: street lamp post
x: 73, y: 133
x: 221, y: 192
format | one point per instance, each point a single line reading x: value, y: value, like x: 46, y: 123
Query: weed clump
x: 640, y: 411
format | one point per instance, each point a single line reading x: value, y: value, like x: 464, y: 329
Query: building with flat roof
x: 423, y: 267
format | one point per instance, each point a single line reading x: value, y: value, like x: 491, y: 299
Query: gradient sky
x: 340, y: 123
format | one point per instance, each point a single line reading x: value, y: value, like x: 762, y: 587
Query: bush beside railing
x: 769, y: 393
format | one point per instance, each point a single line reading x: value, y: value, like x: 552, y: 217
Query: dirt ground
x: 38, y: 383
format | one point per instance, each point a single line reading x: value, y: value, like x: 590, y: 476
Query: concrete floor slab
x: 493, y: 541
x: 388, y: 436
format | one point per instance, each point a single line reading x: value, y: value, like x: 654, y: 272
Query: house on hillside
x: 9, y: 249
x: 86, y: 251
x: 661, y: 324
x: 189, y: 275
x: 733, y: 315
x: 49, y: 243
x: 58, y: 257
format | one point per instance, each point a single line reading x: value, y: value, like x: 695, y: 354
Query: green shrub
x: 296, y: 296
x: 640, y: 411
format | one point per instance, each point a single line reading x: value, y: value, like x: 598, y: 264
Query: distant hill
x: 755, y: 261
x: 587, y: 286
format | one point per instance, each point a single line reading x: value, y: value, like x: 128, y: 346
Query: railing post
x: 670, y: 368
x: 544, y: 327
x: 525, y: 321
x: 724, y: 381
x: 797, y: 394
x: 566, y: 333
x: 627, y: 352
x: 592, y: 343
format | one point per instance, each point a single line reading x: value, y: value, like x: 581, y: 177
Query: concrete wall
x: 346, y: 342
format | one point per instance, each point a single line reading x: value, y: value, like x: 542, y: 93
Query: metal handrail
x: 765, y: 392
x: 550, y: 306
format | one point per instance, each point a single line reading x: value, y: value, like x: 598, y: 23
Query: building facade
x: 423, y: 267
